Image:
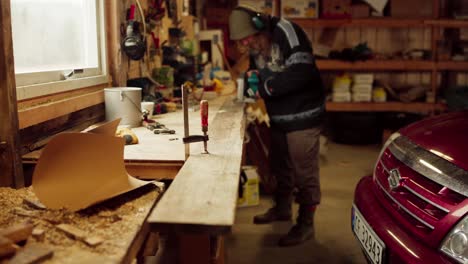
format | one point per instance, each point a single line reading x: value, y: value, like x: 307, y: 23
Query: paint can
x: 125, y: 103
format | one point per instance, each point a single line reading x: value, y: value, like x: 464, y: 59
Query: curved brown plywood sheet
x: 77, y: 170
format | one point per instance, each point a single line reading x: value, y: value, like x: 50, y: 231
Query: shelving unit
x: 433, y: 66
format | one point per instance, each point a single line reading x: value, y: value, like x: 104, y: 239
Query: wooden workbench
x: 120, y: 222
x: 159, y: 156
x: 199, y: 206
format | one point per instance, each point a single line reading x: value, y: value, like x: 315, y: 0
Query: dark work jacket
x: 290, y: 82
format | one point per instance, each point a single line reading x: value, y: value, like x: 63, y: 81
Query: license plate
x: 370, y: 242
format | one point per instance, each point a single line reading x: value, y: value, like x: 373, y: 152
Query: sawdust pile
x: 116, y: 221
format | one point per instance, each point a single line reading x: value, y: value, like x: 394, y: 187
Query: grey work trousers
x: 295, y: 164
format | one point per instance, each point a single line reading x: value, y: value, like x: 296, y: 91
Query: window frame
x: 37, y: 84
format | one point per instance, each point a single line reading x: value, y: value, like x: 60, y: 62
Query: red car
x: 413, y: 209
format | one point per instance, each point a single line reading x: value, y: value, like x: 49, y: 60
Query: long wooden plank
x: 24, y: 104
x: 453, y: 65
x: 385, y: 107
x: 449, y: 23
x: 204, y: 193
x: 376, y: 65
x: 362, y: 22
x: 381, y: 22
x: 42, y: 113
x: 11, y: 173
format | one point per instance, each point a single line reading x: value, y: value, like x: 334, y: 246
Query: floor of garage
x: 334, y: 242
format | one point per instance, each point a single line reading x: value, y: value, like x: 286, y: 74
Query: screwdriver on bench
x: 204, y: 121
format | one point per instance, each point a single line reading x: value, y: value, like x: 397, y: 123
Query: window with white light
x: 58, y: 45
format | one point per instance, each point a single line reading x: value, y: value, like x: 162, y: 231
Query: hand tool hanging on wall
x: 156, y: 11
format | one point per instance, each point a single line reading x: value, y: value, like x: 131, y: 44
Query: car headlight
x: 385, y: 146
x: 456, y: 243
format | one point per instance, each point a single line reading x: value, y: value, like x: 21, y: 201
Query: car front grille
x: 420, y: 192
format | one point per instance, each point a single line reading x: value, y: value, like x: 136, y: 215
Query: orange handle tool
x: 204, y: 115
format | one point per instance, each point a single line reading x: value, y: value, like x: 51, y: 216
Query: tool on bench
x: 204, y: 123
x: 164, y: 131
x: 158, y: 128
x: 127, y: 134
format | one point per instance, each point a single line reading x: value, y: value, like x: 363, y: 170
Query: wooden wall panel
x: 340, y: 40
x: 38, y: 114
x: 36, y: 136
x: 369, y: 35
x: 352, y: 37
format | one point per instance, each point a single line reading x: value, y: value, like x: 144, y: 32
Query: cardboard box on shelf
x: 411, y: 9
x: 362, y: 97
x: 341, y: 97
x: 362, y: 88
x: 360, y: 11
x: 251, y: 193
x: 218, y: 15
x: 300, y: 8
x: 363, y: 78
x: 336, y: 9
x: 263, y: 6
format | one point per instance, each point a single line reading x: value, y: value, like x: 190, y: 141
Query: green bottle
x: 253, y: 84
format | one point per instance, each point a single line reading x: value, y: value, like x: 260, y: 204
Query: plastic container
x: 148, y: 106
x: 125, y: 103
x: 379, y: 95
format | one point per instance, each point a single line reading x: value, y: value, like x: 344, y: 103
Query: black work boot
x: 280, y: 212
x: 302, y: 231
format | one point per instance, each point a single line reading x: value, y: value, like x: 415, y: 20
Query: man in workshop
x: 289, y: 82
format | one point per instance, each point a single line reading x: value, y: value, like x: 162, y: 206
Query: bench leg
x: 190, y: 249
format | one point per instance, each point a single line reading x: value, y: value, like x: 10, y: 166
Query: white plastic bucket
x: 125, y: 103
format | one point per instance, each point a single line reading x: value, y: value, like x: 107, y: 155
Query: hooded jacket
x: 290, y: 82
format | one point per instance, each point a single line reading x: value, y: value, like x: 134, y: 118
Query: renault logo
x: 394, y: 180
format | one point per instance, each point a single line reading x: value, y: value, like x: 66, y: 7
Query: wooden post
x: 11, y: 171
x: 435, y: 38
x: 118, y: 64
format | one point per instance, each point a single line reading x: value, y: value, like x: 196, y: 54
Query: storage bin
x: 411, y: 9
x: 125, y: 103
